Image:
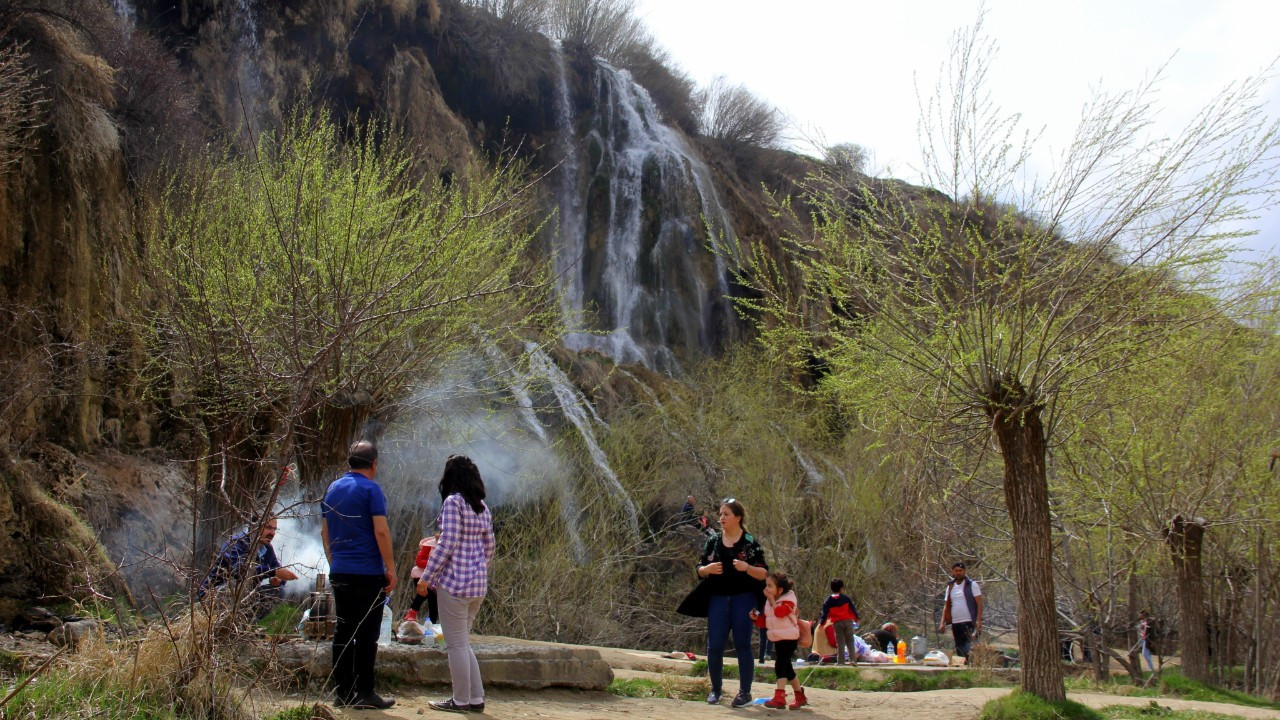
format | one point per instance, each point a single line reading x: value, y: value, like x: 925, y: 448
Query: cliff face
x: 120, y: 88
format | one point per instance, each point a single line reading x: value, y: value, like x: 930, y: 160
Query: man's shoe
x: 713, y: 698
x: 742, y: 698
x: 475, y: 707
x: 449, y: 706
x: 372, y: 701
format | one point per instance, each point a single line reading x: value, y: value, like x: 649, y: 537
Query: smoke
x: 475, y: 410
x: 298, y: 545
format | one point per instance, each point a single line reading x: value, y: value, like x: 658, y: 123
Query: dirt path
x: 571, y: 705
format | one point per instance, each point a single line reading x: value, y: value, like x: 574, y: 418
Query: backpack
x: 806, y: 633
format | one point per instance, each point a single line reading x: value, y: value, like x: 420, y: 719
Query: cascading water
x: 124, y: 9
x: 572, y: 404
x: 638, y: 210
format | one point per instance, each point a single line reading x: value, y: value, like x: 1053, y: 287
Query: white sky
x: 847, y: 70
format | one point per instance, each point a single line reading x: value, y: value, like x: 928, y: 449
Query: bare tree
x: 733, y: 114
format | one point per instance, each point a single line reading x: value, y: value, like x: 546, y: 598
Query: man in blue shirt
x: 232, y: 567
x: 357, y: 543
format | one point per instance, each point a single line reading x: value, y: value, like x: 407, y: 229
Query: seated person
x: 232, y: 566
x: 886, y: 638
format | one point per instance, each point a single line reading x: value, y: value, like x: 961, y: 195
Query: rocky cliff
x: 646, y: 219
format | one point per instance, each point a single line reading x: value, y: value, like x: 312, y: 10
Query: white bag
x: 936, y: 657
x: 410, y: 633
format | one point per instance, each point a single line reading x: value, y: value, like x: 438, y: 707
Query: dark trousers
x: 359, y: 602
x: 433, y: 610
x: 784, y: 650
x: 765, y: 644
x: 730, y: 613
x: 963, y: 634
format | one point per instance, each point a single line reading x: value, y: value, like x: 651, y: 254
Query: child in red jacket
x: 425, y: 546
x: 783, y: 623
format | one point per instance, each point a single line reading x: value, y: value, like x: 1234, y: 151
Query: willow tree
x: 299, y: 289
x: 990, y: 309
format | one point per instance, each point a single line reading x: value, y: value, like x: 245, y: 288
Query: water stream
x: 639, y: 215
x: 574, y: 406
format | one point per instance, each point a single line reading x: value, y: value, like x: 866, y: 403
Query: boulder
x: 73, y: 633
x: 502, y: 664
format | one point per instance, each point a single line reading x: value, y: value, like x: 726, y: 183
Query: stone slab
x: 502, y: 664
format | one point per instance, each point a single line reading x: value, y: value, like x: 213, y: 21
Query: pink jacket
x: 781, y: 619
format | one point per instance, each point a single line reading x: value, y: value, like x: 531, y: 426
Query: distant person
x: 231, y: 567
x: 1144, y: 635
x: 886, y: 638
x: 782, y: 621
x: 423, y: 593
x: 687, y: 514
x: 963, y: 609
x: 458, y: 570
x: 843, y: 614
x: 704, y: 524
x: 357, y: 542
x: 733, y: 562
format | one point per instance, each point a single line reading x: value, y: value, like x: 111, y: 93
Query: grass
x: 1173, y: 684
x: 282, y: 620
x: 881, y: 679
x: 1155, y: 710
x: 58, y: 694
x: 672, y: 689
x: 301, y: 712
x: 1022, y: 706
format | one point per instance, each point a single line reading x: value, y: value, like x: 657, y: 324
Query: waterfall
x: 517, y: 384
x: 572, y: 404
x: 250, y: 95
x: 637, y: 207
x: 124, y: 9
x: 811, y: 473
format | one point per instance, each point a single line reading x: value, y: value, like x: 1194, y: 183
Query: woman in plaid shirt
x: 459, y: 572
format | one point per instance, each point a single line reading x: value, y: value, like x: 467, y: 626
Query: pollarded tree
x: 990, y: 323
x: 297, y: 291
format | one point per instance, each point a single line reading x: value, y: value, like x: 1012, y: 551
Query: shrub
x: 733, y: 114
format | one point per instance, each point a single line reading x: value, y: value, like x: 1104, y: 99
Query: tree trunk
x: 1186, y: 540
x: 1026, y: 492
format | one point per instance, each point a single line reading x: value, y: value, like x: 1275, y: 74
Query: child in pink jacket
x: 782, y: 621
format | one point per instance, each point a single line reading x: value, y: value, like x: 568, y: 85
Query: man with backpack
x: 963, y: 609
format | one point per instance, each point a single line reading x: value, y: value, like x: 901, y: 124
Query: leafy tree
x: 992, y: 324
x: 300, y: 290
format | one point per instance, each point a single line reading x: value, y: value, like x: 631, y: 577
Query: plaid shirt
x: 460, y: 563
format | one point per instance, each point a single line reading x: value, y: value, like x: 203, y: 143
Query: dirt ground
x: 412, y: 703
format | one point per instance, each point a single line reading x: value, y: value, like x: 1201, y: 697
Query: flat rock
x: 503, y: 663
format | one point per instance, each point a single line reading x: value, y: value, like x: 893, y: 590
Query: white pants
x: 456, y: 618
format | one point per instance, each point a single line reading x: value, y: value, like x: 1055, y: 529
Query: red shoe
x: 779, y: 700
x: 801, y: 700
x: 411, y: 616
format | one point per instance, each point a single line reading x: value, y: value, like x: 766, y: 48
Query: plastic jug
x: 902, y: 652
x: 384, y: 634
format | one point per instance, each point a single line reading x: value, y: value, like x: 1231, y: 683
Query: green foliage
x: 318, y: 276
x: 1025, y: 706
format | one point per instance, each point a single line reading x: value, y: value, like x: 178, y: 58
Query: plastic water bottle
x: 384, y: 635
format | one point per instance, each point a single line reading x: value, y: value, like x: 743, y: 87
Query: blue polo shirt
x: 349, y: 506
